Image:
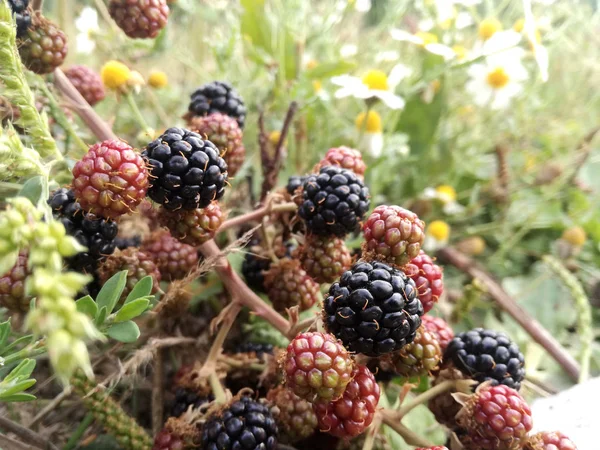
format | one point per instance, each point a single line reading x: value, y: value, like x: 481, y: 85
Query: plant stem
x: 26, y: 434
x: 256, y: 214
x: 217, y: 388
x: 389, y: 418
x: 425, y: 397
x: 136, y: 111
x: 76, y: 436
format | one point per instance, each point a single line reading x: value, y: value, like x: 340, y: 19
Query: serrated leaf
x: 32, y: 189
x: 142, y: 288
x: 20, y: 397
x: 111, y: 292
x: 8, y: 261
x: 87, y: 306
x: 124, y: 332
x: 101, y: 317
x: 132, y: 309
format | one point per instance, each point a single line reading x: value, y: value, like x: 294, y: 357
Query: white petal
x: 453, y: 208
x: 405, y: 36
x: 477, y: 71
x: 426, y: 25
x: 440, y: 49
x: 467, y: 2
x: 346, y: 80
x: 362, y: 5
x: 444, y: 10
x: 430, y: 193
x: 87, y: 20
x: 392, y: 100
x: 387, y: 55
x: 83, y: 44
x: 541, y: 57
x: 500, y: 41
x: 463, y: 20
x: 344, y: 92
x: 500, y: 101
x: 398, y: 73
x: 348, y: 50
x: 373, y: 143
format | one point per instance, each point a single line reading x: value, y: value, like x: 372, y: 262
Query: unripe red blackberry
x: 288, y: 285
x: 137, y: 264
x: 12, y: 287
x: 296, y: 419
x: 43, y: 47
x: 420, y: 357
x: 325, y: 258
x: 173, y: 258
x: 351, y: 414
x: 393, y: 235
x: 243, y: 424
x: 494, y: 418
x: 110, y: 180
x: 440, y: 329
x: 317, y: 367
x: 428, y: 278
x: 193, y: 227
x: 223, y: 131
x: 345, y: 157
x: 87, y: 82
x: 549, y: 440
x: 177, y: 434
x: 168, y: 440
x: 140, y: 18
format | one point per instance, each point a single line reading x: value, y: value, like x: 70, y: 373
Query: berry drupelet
x: 12, y: 287
x: 334, y: 201
x: 421, y: 357
x: 96, y: 234
x: 256, y: 263
x: 257, y: 348
x: 87, y: 82
x: 186, y: 171
x: 549, y: 440
x: 20, y: 8
x: 487, y: 355
x: 294, y: 182
x: 110, y: 180
x: 325, y: 258
x: 427, y: 277
x: 193, y: 227
x: 184, y: 398
x: 173, y: 258
x: 295, y: 419
x: 440, y: 328
x: 288, y: 285
x: 373, y: 309
x: 43, y: 46
x: 345, y: 157
x: 217, y: 97
x: 139, y: 18
x: 137, y: 264
x: 243, y: 424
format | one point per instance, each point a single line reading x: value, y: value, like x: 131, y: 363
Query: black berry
x: 184, y: 398
x: 20, y: 9
x: 218, y: 97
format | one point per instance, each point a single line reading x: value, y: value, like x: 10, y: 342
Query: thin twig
x: 26, y: 434
x: 389, y: 418
x: 506, y: 302
x: 157, y: 392
x: 256, y: 215
x: 426, y: 396
x: 9, y: 443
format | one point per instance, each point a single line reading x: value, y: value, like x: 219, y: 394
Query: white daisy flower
x: 348, y: 50
x: 500, y: 77
x: 87, y: 25
x: 426, y: 40
x: 370, y: 132
x: 446, y: 195
x: 374, y: 84
x: 539, y: 51
x: 437, y: 235
x: 362, y: 5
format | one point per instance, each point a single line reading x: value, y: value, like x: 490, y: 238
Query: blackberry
x: 217, y: 97
x: 12, y: 286
x: 87, y: 82
x: 254, y: 267
x: 373, y: 309
x: 487, y: 355
x: 20, y: 9
x: 125, y: 242
x: 289, y: 285
x: 43, y: 46
x: 244, y: 424
x: 184, y: 398
x: 96, y: 234
x: 186, y: 171
x: 254, y: 347
x: 140, y: 18
x: 334, y: 201
x: 137, y: 264
x: 294, y: 182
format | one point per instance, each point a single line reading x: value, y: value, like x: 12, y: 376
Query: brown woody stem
x: 390, y: 419
x: 425, y: 397
x: 256, y: 215
x: 506, y: 302
x: 26, y: 434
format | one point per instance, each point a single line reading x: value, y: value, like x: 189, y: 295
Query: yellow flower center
x: 575, y: 236
x: 519, y: 25
x: 376, y: 80
x: 311, y: 64
x: 498, y: 78
x: 158, y: 79
x: 439, y: 230
x: 488, y: 27
x: 373, y: 124
x: 317, y: 86
x: 115, y: 74
x: 461, y: 51
x: 428, y: 38
x: 446, y: 192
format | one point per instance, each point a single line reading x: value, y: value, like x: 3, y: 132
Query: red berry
x: 345, y: 157
x: 110, y: 180
x: 87, y: 82
x: 193, y: 227
x: 288, y: 285
x: 393, y: 235
x: 495, y: 418
x: 435, y: 447
x: 173, y: 258
x: 351, y: 414
x: 325, y: 258
x: 166, y: 440
x: 550, y: 440
x: 317, y: 367
x: 140, y: 18
x: 428, y: 277
x: 440, y: 328
x: 12, y: 286
x: 296, y: 419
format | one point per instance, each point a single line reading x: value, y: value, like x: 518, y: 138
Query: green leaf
x: 32, y: 189
x: 4, y: 332
x: 111, y: 292
x: 132, y: 309
x: 21, y: 397
x: 142, y: 288
x: 23, y: 339
x: 8, y: 261
x: 124, y: 332
x: 23, y: 370
x: 16, y: 387
x: 327, y: 70
x: 87, y: 306
x: 101, y: 317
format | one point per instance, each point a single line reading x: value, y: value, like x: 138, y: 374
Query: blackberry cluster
x: 244, y: 424
x: 334, y: 201
x: 184, y: 398
x: 373, y: 309
x: 186, y: 171
x: 218, y: 97
x: 487, y: 355
x: 253, y: 270
x: 96, y: 234
x: 20, y: 9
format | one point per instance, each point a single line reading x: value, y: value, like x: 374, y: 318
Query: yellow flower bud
x: 488, y: 27
x: 373, y: 122
x: 439, y: 230
x: 158, y: 79
x: 446, y: 193
x: 575, y: 236
x: 115, y: 74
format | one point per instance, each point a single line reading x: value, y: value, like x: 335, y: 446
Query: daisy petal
x: 405, y: 36
x: 392, y: 100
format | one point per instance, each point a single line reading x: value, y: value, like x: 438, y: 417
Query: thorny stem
x: 76, y: 436
x: 506, y: 302
x: 425, y: 397
x: 389, y: 418
x: 256, y: 215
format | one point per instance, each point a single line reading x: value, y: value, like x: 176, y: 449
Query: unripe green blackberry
x: 43, y: 47
x: 193, y: 227
x: 325, y: 258
x: 137, y: 264
x: 295, y: 419
x: 289, y: 285
x: 420, y: 357
x: 12, y: 287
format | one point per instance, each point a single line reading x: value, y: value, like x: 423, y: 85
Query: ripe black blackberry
x: 125, y: 242
x: 96, y: 234
x: 254, y: 267
x: 333, y: 201
x: 294, y: 182
x: 20, y: 9
x: 373, y: 309
x: 217, y: 97
x: 244, y: 424
x: 184, y: 398
x: 186, y: 171
x: 487, y: 355
x: 254, y: 347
